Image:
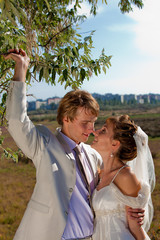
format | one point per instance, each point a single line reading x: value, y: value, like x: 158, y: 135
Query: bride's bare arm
x: 130, y: 186
x: 134, y: 227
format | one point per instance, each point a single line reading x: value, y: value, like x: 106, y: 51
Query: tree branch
x: 2, y: 84
x: 5, y: 70
x: 45, y: 45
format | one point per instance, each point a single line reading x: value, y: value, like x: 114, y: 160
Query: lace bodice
x: 109, y: 205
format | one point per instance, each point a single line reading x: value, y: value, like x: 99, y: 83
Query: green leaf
x: 65, y: 74
x: 104, y: 69
x: 67, y: 51
x: 45, y: 73
x: 34, y: 69
x: 60, y: 79
x: 78, y: 35
x: 1, y: 140
x: 53, y: 75
x: 95, y: 71
x: 41, y: 74
x: 15, y: 157
x: 87, y: 38
x: 74, y: 51
x: 48, y: 6
x: 82, y: 74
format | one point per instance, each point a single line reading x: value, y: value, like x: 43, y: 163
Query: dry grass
x: 16, y: 184
x: 154, y: 232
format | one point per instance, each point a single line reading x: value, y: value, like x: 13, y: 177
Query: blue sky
x: 132, y: 39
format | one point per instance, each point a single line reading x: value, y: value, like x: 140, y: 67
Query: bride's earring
x: 111, y: 155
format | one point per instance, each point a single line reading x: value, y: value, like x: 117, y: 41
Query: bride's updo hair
x: 124, y: 129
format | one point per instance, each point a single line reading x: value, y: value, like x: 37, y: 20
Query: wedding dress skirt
x: 109, y: 205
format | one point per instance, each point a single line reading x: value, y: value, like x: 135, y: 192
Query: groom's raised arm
x: 26, y: 135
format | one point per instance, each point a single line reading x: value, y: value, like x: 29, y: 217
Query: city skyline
x: 56, y: 99
x: 126, y: 98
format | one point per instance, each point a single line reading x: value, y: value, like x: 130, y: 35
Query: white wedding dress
x: 109, y: 205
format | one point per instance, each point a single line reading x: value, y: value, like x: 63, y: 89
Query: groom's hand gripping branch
x: 21, y: 63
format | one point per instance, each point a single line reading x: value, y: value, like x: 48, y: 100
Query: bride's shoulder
x: 127, y: 182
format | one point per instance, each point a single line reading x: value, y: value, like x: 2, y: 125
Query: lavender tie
x: 83, y: 175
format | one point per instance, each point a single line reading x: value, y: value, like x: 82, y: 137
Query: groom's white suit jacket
x: 46, y: 214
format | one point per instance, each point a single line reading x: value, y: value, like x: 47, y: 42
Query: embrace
x: 100, y: 191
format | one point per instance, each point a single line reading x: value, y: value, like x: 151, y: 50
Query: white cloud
x: 85, y: 9
x: 147, y: 27
x: 143, y: 79
x: 140, y: 78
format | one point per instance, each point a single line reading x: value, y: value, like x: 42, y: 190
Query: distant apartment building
x: 34, y: 105
x: 31, y: 105
x: 122, y: 98
x: 135, y: 97
x: 55, y: 100
x: 141, y: 101
x: 40, y: 104
x: 129, y: 98
x: 157, y: 97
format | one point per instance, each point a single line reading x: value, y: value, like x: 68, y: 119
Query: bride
x: 122, y: 183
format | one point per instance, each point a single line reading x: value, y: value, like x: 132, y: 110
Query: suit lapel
x: 64, y: 144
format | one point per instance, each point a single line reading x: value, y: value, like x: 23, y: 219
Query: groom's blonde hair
x: 72, y: 101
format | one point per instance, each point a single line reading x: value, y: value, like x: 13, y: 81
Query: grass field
x: 17, y: 182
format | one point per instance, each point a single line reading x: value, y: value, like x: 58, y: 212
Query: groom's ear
x: 65, y: 119
x: 115, y: 144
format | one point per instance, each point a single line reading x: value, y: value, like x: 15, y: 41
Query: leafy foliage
x: 126, y: 5
x: 8, y: 153
x: 47, y: 30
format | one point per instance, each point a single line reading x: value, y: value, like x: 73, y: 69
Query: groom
x: 60, y: 205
